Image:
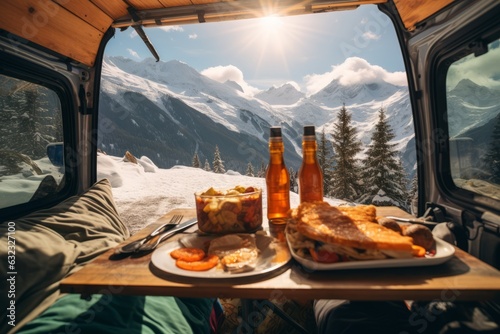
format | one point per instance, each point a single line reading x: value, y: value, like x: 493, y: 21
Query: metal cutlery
x: 135, y: 245
x: 146, y: 247
x: 413, y: 220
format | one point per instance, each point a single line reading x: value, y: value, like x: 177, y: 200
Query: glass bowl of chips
x: 236, y: 210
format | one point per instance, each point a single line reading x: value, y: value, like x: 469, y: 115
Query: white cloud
x: 354, y: 70
x: 193, y: 36
x: 133, y: 53
x: 224, y: 73
x: 315, y: 82
x: 229, y: 72
x: 171, y: 28
x: 370, y: 36
x: 133, y: 33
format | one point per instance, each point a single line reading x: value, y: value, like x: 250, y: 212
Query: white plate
x: 272, y: 257
x: 444, y: 251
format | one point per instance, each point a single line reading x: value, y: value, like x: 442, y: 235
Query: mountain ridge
x: 240, y: 114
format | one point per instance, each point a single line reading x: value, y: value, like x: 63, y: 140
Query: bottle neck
x: 276, y: 145
x: 309, y: 148
x: 276, y: 150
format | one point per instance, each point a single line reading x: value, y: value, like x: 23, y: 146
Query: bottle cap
x: 275, y: 131
x: 309, y: 130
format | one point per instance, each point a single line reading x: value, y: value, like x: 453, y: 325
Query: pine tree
x: 10, y: 105
x: 413, y: 193
x: 293, y: 180
x: 34, y: 110
x: 196, y: 161
x: 250, y: 171
x: 218, y: 163
x: 325, y: 162
x: 384, y: 177
x: 262, y: 170
x: 207, y: 166
x: 492, y: 156
x: 345, y: 175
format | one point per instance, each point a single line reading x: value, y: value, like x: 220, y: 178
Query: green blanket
x: 123, y: 314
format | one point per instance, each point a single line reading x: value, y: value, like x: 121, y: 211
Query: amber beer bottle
x: 277, y: 180
x: 310, y: 175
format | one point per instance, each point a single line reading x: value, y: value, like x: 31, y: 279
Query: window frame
x: 457, y: 46
x: 22, y: 69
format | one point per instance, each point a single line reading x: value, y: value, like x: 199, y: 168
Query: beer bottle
x: 277, y: 180
x: 310, y: 175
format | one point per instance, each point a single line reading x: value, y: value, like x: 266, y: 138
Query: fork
x: 135, y: 245
x: 148, y: 247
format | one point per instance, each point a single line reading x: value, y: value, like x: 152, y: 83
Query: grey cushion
x: 51, y: 243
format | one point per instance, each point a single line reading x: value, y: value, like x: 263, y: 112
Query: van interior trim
x: 234, y: 10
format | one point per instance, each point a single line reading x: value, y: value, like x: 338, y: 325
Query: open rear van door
x: 452, y: 62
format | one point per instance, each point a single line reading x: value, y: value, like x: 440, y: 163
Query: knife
x: 151, y: 246
x: 413, y: 220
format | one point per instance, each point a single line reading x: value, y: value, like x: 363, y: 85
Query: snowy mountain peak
x: 466, y: 84
x: 286, y: 94
x: 173, y: 72
x: 234, y: 85
x: 335, y: 94
x: 473, y: 93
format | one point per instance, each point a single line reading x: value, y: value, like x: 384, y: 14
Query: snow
x: 19, y: 188
x: 382, y: 198
x: 287, y: 94
x: 145, y: 192
x: 142, y: 192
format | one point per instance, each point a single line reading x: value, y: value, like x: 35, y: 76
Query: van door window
x: 473, y: 117
x: 31, y: 137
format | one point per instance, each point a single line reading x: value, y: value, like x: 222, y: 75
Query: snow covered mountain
x: 285, y: 95
x: 168, y: 111
x: 335, y: 94
x: 471, y: 106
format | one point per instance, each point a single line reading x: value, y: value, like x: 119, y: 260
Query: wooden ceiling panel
x: 88, y: 12
x: 46, y: 23
x: 202, y: 2
x: 149, y: 4
x: 152, y: 4
x: 114, y: 9
x: 415, y: 11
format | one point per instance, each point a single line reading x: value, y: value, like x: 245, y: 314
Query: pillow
x: 50, y: 244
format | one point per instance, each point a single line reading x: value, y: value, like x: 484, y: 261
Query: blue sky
x: 270, y: 52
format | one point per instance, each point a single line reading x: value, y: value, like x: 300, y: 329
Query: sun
x: 271, y: 26
x: 268, y: 41
x: 271, y: 33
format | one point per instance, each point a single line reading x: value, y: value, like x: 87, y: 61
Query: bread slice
x: 351, y: 227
